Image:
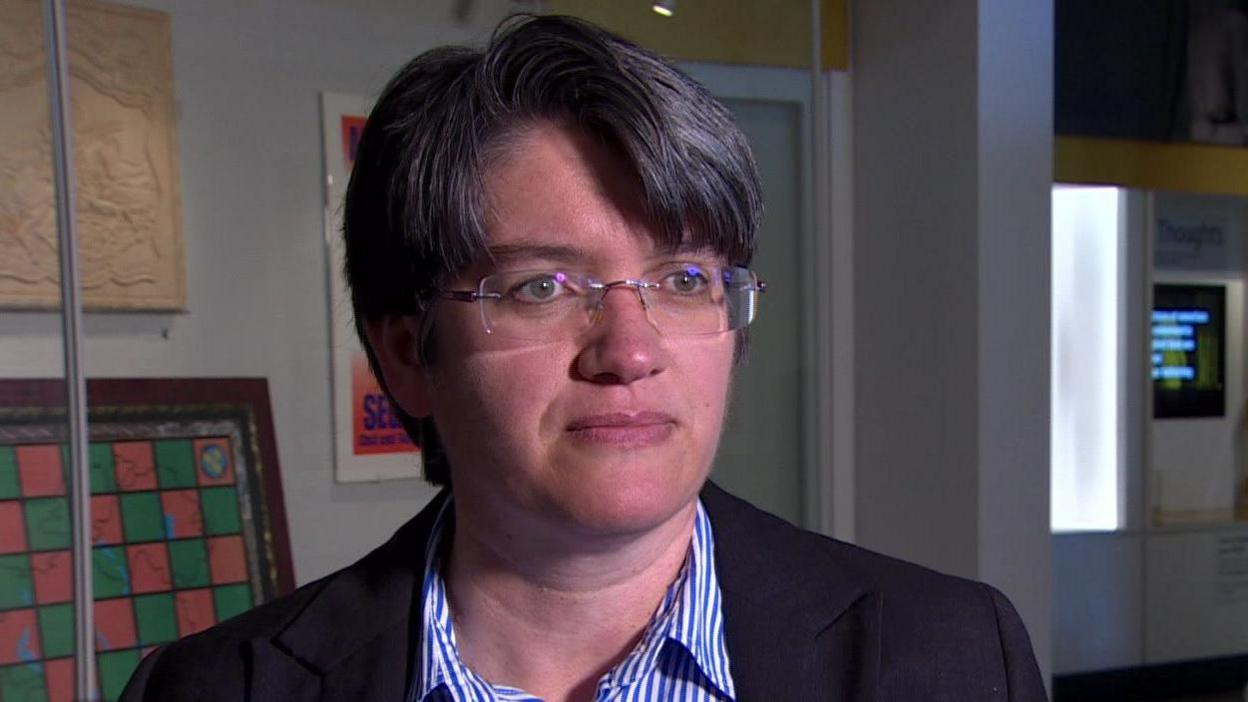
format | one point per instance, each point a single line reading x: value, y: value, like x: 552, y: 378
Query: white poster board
x: 369, y: 443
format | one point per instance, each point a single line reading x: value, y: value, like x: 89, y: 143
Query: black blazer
x: 806, y: 617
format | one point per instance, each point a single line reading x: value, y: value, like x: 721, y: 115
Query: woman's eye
x: 688, y: 280
x: 539, y: 289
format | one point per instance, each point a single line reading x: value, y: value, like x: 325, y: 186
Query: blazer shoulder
x: 933, y: 631
x: 740, y: 527
x: 369, y: 595
x: 212, y: 664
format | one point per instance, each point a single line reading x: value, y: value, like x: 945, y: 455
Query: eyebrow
x: 503, y: 254
x: 690, y: 248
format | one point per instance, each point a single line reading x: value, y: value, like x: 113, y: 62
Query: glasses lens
x: 535, y: 305
x: 741, y: 289
x: 691, y: 299
x: 687, y: 299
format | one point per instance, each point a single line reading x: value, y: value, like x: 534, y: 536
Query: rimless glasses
x: 680, y: 299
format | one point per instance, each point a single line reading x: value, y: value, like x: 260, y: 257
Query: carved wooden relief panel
x: 125, y: 156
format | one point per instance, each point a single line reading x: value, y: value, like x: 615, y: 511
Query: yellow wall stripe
x: 834, y: 16
x: 1151, y: 165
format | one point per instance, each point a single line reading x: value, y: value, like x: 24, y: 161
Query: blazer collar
x: 353, y: 639
x: 800, y: 622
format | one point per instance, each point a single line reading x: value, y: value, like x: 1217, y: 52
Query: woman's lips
x: 633, y: 429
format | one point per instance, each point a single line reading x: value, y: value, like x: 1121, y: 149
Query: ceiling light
x: 667, y: 8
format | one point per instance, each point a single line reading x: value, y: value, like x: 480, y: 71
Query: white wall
x: 916, y: 275
x: 248, y: 79
x: 1015, y: 176
x: 952, y: 106
x: 1196, y: 590
x: 1098, y: 601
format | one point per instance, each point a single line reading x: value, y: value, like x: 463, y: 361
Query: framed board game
x: 187, y: 520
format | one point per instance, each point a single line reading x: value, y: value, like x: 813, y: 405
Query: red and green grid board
x: 169, y: 557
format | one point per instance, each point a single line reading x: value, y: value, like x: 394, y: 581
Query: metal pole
x: 55, y: 39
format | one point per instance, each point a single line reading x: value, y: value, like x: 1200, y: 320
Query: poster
x: 369, y: 442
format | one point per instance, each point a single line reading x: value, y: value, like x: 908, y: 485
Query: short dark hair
x: 415, y: 206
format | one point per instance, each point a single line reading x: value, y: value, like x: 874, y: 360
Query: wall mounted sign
x: 1196, y: 243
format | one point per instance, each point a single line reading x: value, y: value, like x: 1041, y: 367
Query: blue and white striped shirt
x: 682, y: 654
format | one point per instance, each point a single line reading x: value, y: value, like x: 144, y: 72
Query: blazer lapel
x: 798, y: 626
x: 356, y: 638
x: 850, y: 648
x: 373, y: 669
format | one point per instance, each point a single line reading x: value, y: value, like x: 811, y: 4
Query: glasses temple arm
x: 465, y: 295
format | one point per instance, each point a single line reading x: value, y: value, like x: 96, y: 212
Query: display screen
x: 1189, y: 351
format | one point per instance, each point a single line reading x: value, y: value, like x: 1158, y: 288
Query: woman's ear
x: 396, y: 345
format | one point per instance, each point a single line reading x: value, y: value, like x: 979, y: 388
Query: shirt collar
x: 690, y: 616
x: 697, y: 623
